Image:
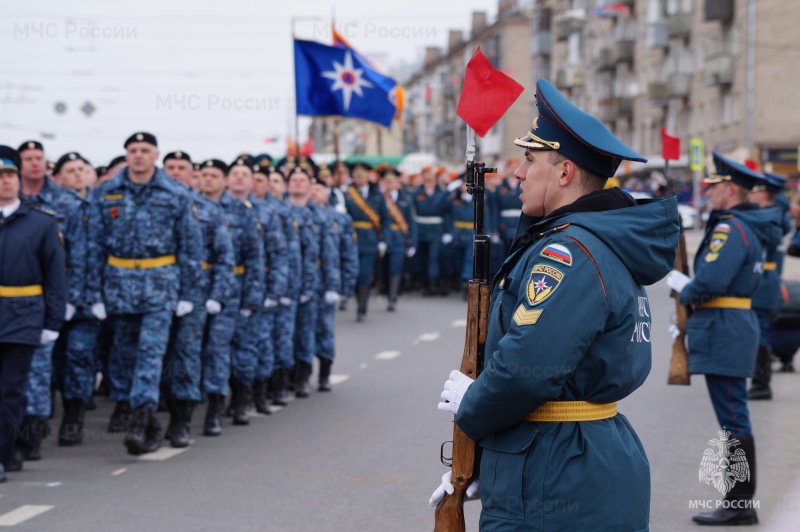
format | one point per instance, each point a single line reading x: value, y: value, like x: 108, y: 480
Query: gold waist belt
x: 21, y: 291
x: 463, y: 225
x: 572, y: 411
x: 142, y: 264
x: 727, y: 302
x: 770, y: 265
x: 363, y: 225
x: 238, y: 270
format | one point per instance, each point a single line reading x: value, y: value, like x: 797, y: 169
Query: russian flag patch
x: 558, y: 253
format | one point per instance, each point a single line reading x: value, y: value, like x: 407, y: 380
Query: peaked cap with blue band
x: 775, y: 182
x: 574, y: 134
x: 739, y: 174
x: 9, y: 159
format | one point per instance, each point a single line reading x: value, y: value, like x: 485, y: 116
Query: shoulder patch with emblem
x: 558, y: 253
x: 544, y: 281
x: 718, y: 239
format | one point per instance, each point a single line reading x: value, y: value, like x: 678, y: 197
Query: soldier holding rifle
x: 568, y: 337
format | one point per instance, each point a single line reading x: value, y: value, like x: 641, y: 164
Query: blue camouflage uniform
x: 144, y: 257
x: 248, y: 247
x: 31, y: 258
x: 276, y: 271
x: 570, y: 322
x: 328, y: 278
x: 40, y: 375
x: 216, y: 282
x: 347, y: 251
x: 303, y: 244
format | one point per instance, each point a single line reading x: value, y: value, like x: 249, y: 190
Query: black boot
x: 174, y: 419
x: 362, y: 297
x: 29, y: 442
x: 71, y: 430
x: 152, y: 435
x: 137, y: 426
x: 180, y: 432
x: 343, y: 304
x: 231, y: 399
x: 302, y: 374
x: 213, y: 422
x: 260, y: 397
x: 759, y: 387
x: 241, y: 403
x: 739, y: 510
x: 120, y: 417
x: 394, y: 289
x: 280, y: 381
x: 324, y: 375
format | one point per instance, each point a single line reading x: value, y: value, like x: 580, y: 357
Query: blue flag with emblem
x: 333, y: 81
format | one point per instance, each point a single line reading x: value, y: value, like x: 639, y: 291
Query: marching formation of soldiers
x: 205, y: 281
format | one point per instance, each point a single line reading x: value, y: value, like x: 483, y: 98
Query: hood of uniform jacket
x: 642, y: 233
x: 766, y: 223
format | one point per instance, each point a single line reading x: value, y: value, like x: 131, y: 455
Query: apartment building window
x: 727, y: 109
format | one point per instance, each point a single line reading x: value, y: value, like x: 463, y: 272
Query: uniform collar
x: 8, y: 210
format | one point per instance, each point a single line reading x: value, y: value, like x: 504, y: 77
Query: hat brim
x: 8, y: 168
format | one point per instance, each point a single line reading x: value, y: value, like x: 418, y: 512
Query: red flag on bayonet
x: 670, y: 146
x: 486, y: 95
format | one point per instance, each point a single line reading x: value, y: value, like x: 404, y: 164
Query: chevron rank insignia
x: 543, y: 283
x: 523, y: 316
x: 558, y: 253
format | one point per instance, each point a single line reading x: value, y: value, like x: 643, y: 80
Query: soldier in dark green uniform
x: 569, y: 336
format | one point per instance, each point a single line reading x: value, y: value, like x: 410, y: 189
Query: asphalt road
x: 366, y: 456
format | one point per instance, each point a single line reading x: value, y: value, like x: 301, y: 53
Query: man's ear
x: 568, y: 172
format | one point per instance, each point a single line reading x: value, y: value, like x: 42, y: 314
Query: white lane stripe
x: 459, y: 323
x: 23, y: 513
x: 164, y: 453
x: 429, y: 337
x: 363, y: 365
x: 338, y: 379
x: 119, y: 471
x: 387, y: 355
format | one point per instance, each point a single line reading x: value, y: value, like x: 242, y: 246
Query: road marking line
x: 119, y: 471
x: 23, y: 513
x: 165, y: 453
x: 387, y: 355
x: 363, y: 365
x: 41, y: 484
x: 459, y: 323
x: 429, y: 337
x: 338, y: 379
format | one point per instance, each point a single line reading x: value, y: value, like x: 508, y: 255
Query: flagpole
x: 336, y: 144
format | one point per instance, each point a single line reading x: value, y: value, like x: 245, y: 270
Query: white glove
x: 454, y: 185
x: 213, y: 307
x: 410, y: 252
x: 285, y: 301
x: 246, y: 313
x: 674, y: 331
x: 48, y: 336
x: 454, y: 389
x: 495, y: 239
x: 99, y: 311
x: 382, y: 248
x: 677, y: 280
x: 447, y: 238
x: 269, y: 303
x: 473, y: 490
x: 305, y: 299
x: 332, y: 297
x: 184, y: 308
x: 70, y: 312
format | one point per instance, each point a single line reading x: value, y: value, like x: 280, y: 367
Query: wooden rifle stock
x: 449, y: 515
x: 679, y: 365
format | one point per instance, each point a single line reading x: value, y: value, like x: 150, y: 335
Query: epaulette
x: 247, y: 204
x: 46, y: 211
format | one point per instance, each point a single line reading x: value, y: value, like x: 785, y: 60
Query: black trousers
x: 15, y: 361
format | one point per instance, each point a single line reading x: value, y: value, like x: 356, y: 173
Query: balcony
x: 657, y: 36
x: 561, y: 80
x: 568, y: 79
x: 606, y: 59
x: 657, y: 93
x: 624, y: 51
x: 679, y: 85
x: 718, y: 70
x: 719, y: 10
x: 567, y: 25
x: 680, y: 25
x: 540, y: 44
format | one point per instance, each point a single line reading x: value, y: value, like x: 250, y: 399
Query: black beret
x: 117, y: 160
x: 9, y: 158
x: 243, y: 160
x: 215, y: 163
x: 30, y: 145
x: 178, y: 156
x: 66, y: 158
x: 141, y: 137
x: 101, y: 171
